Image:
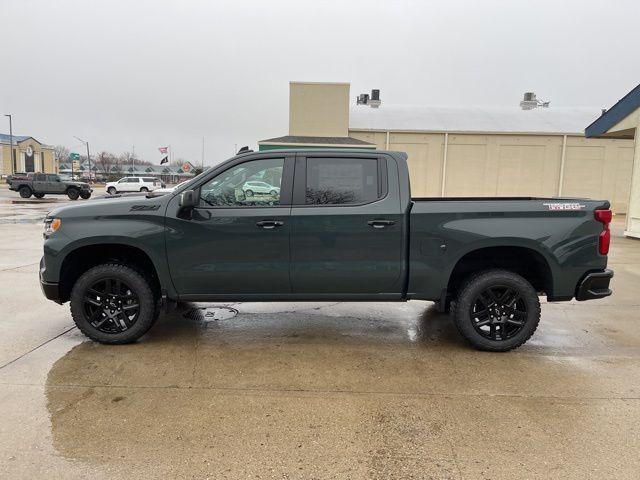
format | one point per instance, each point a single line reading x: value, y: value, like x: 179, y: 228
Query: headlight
x: 51, y: 225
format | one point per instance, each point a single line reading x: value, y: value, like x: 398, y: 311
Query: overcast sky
x: 154, y: 73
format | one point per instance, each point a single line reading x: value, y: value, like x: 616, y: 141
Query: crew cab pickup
x: 41, y: 184
x: 337, y: 225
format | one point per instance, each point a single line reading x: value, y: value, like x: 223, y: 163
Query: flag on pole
x: 163, y: 149
x: 164, y: 160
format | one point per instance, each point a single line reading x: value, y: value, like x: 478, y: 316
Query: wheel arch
x: 82, y: 258
x: 528, y: 262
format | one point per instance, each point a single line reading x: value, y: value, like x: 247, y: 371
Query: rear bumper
x: 594, y: 285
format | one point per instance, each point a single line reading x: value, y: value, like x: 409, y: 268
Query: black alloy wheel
x: 496, y: 310
x: 111, y: 306
x: 73, y: 193
x: 114, y: 303
x: 499, y: 312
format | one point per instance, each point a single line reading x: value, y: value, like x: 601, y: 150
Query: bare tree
x: 105, y: 162
x: 60, y: 154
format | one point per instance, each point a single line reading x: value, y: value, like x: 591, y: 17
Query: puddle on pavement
x: 241, y: 390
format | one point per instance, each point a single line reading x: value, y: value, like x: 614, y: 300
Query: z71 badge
x: 564, y: 206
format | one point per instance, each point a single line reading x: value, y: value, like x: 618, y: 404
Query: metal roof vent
x: 529, y: 102
x: 372, y: 101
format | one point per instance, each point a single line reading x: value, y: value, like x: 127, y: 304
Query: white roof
x: 570, y: 120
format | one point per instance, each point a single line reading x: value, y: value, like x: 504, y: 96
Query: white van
x: 133, y: 184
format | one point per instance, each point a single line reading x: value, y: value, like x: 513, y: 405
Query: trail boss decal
x: 144, y: 208
x: 564, y: 206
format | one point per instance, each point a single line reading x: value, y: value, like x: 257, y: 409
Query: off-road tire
x: 25, y: 192
x: 468, y: 293
x: 112, y: 191
x: 85, y: 195
x: 73, y: 193
x: 149, y: 304
x: 38, y: 195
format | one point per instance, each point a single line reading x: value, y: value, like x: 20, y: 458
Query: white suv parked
x: 255, y: 186
x: 133, y: 184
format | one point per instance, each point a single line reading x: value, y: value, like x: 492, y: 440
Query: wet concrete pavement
x: 316, y: 390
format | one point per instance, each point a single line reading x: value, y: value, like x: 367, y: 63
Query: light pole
x: 88, y: 156
x: 12, y: 159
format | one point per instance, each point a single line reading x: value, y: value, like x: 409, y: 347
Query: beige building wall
x: 43, y: 156
x: 513, y: 165
x: 319, y: 109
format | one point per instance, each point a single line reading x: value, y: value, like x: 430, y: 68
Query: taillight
x: 604, y: 239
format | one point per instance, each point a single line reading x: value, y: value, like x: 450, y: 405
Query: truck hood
x: 125, y: 205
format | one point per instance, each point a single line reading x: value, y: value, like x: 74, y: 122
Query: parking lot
x: 313, y: 390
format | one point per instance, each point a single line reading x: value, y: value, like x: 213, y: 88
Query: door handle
x: 380, y: 223
x: 269, y: 224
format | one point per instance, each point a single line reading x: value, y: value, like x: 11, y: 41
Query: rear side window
x: 149, y: 179
x: 341, y: 181
x: 133, y: 180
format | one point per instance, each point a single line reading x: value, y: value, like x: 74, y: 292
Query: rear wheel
x: 25, y: 192
x: 497, y: 310
x: 73, y: 193
x: 111, y: 191
x: 113, y: 304
x: 248, y: 193
x: 85, y: 195
x: 38, y: 195
x: 273, y: 193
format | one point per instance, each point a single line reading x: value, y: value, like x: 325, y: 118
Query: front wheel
x: 248, y: 193
x: 73, y: 193
x: 111, y: 190
x: 497, y: 310
x: 38, y: 195
x: 113, y: 304
x: 85, y: 195
x: 25, y: 192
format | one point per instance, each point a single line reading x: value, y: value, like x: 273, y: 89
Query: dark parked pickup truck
x: 41, y: 184
x: 339, y: 226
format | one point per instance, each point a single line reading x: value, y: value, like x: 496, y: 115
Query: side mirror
x: 188, y: 199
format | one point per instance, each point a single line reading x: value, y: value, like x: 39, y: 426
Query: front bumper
x: 594, y: 285
x: 50, y: 290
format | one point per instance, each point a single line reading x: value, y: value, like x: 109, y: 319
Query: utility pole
x: 12, y: 159
x: 88, y: 156
x: 133, y: 158
x: 202, y: 161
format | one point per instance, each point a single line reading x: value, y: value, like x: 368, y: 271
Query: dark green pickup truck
x: 323, y: 225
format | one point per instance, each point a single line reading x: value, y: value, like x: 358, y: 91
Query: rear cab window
x: 339, y: 180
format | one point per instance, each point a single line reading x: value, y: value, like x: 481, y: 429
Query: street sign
x: 76, y: 165
x: 74, y: 156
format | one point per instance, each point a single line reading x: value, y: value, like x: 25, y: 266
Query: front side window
x: 341, y: 181
x: 253, y: 183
